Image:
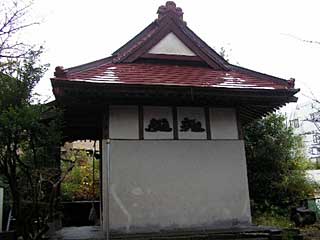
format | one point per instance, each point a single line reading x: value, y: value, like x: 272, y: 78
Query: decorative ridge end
x: 291, y: 82
x: 170, y: 9
x: 60, y: 72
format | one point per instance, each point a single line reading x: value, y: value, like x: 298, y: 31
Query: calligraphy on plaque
x: 158, y: 125
x: 191, y: 125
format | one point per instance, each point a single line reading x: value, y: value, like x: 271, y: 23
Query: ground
x: 311, y: 232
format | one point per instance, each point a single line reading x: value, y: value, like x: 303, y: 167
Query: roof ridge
x: 128, y: 44
x: 260, y: 74
x: 89, y: 65
x: 213, y: 53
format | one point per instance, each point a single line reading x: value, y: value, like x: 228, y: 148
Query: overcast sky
x: 256, y: 34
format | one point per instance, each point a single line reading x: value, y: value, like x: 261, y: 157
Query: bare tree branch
x: 301, y: 39
x: 13, y: 20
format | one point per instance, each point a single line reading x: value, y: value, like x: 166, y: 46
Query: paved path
x: 79, y: 233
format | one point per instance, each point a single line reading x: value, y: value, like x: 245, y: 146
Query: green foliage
x: 272, y: 218
x: 28, y: 148
x: 19, y: 79
x: 79, y: 184
x: 314, y: 165
x: 276, y: 165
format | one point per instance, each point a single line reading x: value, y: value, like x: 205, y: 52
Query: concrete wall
x: 165, y: 184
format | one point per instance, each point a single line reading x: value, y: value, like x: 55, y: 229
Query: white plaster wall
x: 171, y: 45
x: 192, y: 113
x: 223, y: 123
x: 178, y: 184
x: 155, y: 112
x: 123, y: 122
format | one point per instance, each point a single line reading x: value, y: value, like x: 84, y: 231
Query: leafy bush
x: 273, y: 219
x: 79, y: 183
x: 276, y: 165
x: 29, y: 140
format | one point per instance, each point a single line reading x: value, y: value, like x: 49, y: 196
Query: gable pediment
x: 169, y: 38
x: 171, y: 45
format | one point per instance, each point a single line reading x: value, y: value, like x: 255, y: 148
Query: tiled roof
x: 131, y: 63
x: 174, y: 75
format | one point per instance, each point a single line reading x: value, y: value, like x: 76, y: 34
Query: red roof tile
x: 128, y: 65
x: 176, y: 75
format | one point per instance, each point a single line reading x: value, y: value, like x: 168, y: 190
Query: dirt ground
x: 311, y: 232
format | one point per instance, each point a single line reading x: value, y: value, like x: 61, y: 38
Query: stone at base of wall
x: 245, y: 232
x: 219, y: 225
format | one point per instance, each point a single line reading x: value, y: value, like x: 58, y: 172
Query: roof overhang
x: 84, y: 102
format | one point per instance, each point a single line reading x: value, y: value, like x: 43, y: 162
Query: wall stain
x: 121, y: 206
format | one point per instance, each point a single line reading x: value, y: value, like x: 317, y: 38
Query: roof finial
x: 170, y: 9
x: 60, y: 72
x: 291, y: 82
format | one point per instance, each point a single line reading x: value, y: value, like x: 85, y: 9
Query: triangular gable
x: 166, y: 38
x: 171, y: 45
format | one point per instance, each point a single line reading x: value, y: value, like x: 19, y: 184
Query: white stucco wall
x: 223, y: 122
x: 165, y: 184
x: 123, y: 122
x: 171, y: 45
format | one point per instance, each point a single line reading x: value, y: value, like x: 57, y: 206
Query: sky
x: 260, y: 35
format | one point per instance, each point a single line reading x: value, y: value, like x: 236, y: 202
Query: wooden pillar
x: 239, y: 125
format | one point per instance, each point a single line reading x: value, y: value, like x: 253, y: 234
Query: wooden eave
x: 112, y: 91
x: 84, y: 102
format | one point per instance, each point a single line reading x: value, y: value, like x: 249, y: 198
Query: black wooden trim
x: 141, y: 122
x: 171, y: 57
x: 239, y: 124
x: 175, y: 123
x: 207, y: 117
x: 106, y: 123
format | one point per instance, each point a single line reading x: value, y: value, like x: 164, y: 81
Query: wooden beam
x: 105, y: 122
x: 175, y: 123
x: 207, y: 117
x: 141, y: 122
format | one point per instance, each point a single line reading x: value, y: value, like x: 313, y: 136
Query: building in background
x: 305, y: 120
x: 87, y: 145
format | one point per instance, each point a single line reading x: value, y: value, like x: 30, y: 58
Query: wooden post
x: 239, y: 125
x: 208, y: 128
